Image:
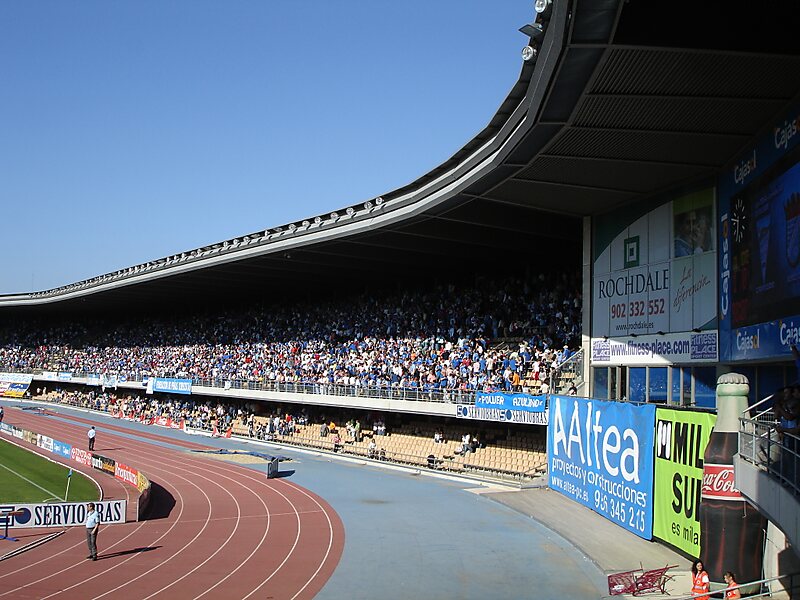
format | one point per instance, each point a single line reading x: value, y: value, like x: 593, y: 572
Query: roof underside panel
x: 666, y: 147
x: 682, y: 115
x: 675, y: 72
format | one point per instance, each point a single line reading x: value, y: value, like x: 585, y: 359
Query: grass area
x: 26, y: 477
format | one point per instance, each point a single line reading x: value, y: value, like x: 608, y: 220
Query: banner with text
x: 63, y: 514
x: 470, y: 411
x: 173, y: 386
x: 16, y: 378
x: 663, y: 349
x: 600, y: 454
x: 15, y: 390
x: 680, y: 443
x: 510, y: 401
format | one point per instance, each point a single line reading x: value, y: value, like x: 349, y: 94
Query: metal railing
x: 567, y: 373
x: 412, y: 394
x: 782, y: 586
x: 442, y: 395
x: 758, y: 411
x: 450, y: 396
x: 778, y: 454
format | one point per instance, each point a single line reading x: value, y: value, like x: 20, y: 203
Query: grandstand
x: 620, y: 126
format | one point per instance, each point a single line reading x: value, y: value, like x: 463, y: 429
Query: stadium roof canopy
x: 623, y: 101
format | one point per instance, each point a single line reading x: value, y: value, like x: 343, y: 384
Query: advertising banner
x: 16, y: 378
x: 174, y: 386
x: 142, y: 483
x: 65, y: 376
x: 62, y: 449
x: 103, y: 463
x: 654, y: 274
x: 16, y: 390
x: 44, y: 442
x: 680, y: 443
x: 64, y: 514
x: 127, y: 474
x: 79, y: 455
x: 470, y: 411
x: 503, y: 401
x: 759, y: 261
x: 600, y: 454
x: 93, y: 379
x: 656, y: 349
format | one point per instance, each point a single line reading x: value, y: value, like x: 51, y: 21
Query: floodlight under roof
x: 529, y: 53
x: 543, y: 7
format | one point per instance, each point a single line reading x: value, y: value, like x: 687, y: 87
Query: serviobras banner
x: 62, y: 514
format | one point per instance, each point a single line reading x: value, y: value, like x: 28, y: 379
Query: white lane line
x: 33, y: 483
x: 330, y: 537
x: 257, y: 547
x: 291, y: 550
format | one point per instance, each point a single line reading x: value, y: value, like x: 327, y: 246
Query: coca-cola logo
x: 719, y: 482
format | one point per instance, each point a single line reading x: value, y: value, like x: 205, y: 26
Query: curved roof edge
x: 477, y: 157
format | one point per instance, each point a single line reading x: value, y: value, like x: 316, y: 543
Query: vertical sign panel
x: 601, y: 455
x: 680, y: 442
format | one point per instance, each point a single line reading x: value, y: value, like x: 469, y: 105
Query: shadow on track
x: 161, y: 502
x: 125, y: 552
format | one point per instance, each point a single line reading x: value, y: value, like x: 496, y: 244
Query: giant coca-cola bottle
x: 731, y: 529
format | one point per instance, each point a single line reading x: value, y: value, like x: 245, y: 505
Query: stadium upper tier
x: 619, y: 101
x: 425, y: 340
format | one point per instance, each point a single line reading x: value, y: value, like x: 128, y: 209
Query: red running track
x: 231, y: 533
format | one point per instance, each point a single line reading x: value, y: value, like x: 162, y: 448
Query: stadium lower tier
x: 520, y: 456
x: 507, y: 452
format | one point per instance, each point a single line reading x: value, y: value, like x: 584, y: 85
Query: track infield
x: 26, y: 477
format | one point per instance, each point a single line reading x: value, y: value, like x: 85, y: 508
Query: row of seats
x: 523, y: 456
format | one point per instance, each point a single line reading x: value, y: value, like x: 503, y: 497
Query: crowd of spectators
x: 260, y: 420
x: 437, y: 339
x: 200, y: 414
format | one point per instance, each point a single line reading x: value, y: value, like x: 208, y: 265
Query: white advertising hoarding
x: 654, y: 284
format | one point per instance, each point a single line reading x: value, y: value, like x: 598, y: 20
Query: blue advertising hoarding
x: 500, y: 400
x: 600, y: 454
x: 481, y: 413
x: 173, y: 386
x: 759, y: 257
x: 62, y: 449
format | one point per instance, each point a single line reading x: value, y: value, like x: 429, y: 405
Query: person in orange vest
x: 730, y: 580
x: 700, y: 583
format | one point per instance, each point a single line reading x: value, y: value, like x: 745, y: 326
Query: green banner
x: 680, y: 443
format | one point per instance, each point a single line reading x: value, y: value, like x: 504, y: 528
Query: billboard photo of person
x: 693, y: 225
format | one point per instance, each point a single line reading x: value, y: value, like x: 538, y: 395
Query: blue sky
x: 134, y: 130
